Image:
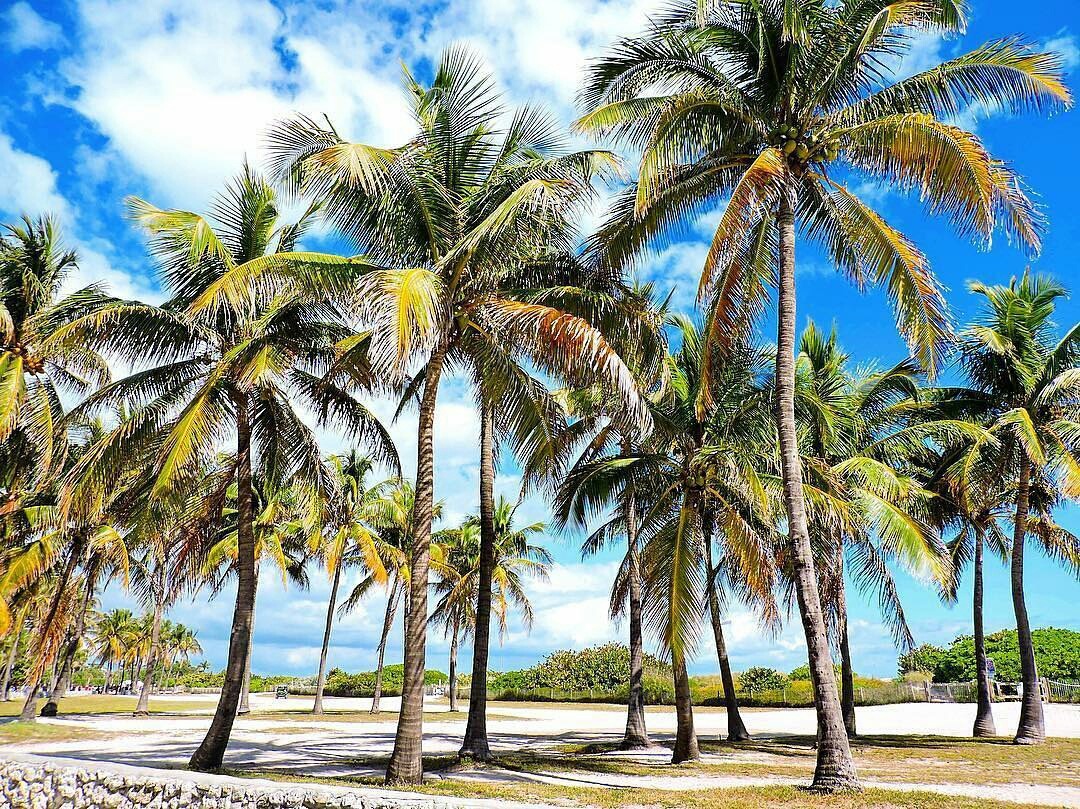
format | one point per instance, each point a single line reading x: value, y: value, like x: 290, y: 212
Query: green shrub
x: 1057, y: 656
x: 598, y: 668
x: 760, y: 678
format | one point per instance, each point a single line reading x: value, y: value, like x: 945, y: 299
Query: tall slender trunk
x: 143, y: 708
x: 736, y: 729
x: 211, y: 752
x: 984, y: 713
x: 108, y: 677
x: 835, y: 768
x: 453, y: 668
x: 63, y: 681
x: 636, y: 735
x: 321, y: 684
x: 686, y: 743
x: 475, y: 744
x: 847, y: 672
x: 5, y: 690
x: 406, y: 763
x: 388, y: 622
x: 245, y: 690
x: 33, y: 682
x: 1032, y: 727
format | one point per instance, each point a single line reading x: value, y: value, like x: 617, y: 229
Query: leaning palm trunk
x: 984, y: 714
x: 847, y: 673
x: 406, y: 763
x: 211, y: 752
x: 245, y: 691
x: 453, y: 668
x: 736, y: 729
x: 321, y: 684
x: 63, y: 681
x: 1032, y: 727
x: 143, y: 708
x: 5, y: 690
x: 475, y: 744
x: 686, y: 743
x: 388, y: 622
x: 636, y: 734
x: 33, y: 682
x: 835, y: 768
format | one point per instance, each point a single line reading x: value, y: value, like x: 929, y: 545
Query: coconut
x: 802, y: 152
x: 790, y: 146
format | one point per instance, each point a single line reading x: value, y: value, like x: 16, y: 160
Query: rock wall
x: 28, y: 782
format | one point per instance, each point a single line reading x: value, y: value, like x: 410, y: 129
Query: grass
x: 110, y: 705
x: 770, y: 797
x: 30, y: 732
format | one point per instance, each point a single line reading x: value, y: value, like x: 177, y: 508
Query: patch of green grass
x: 14, y: 732
x: 100, y: 704
x: 771, y: 797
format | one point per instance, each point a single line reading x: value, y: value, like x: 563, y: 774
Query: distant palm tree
x: 459, y: 577
x: 762, y: 105
x: 112, y: 635
x: 1022, y: 385
x: 344, y: 535
x: 231, y: 358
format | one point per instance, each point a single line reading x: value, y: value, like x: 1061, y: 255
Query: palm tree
x: 1022, y: 386
x: 394, y: 519
x: 34, y: 366
x: 111, y: 636
x: 345, y: 536
x: 228, y: 361
x: 459, y: 577
x: 452, y: 216
x: 858, y: 433
x: 763, y: 103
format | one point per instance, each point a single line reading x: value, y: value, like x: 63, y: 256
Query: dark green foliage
x: 760, y: 678
x: 1057, y: 655
x: 604, y: 668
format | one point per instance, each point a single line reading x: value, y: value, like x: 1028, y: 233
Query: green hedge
x: 1057, y: 656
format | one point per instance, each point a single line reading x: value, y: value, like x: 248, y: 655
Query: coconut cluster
x: 30, y: 362
x: 804, y: 145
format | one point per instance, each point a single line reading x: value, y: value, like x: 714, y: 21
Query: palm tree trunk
x: 406, y: 762
x: 686, y: 743
x: 33, y: 682
x: 321, y: 684
x: 245, y: 691
x: 984, y: 714
x: 12, y: 654
x: 388, y: 622
x: 1032, y: 727
x: 736, y: 729
x: 475, y: 744
x: 211, y: 752
x: 453, y: 668
x: 63, y: 682
x: 143, y: 708
x: 847, y: 672
x: 835, y: 768
x: 636, y: 735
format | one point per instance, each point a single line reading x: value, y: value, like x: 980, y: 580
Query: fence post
x: 785, y: 695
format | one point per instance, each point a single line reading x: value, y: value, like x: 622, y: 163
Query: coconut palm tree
x: 459, y: 577
x: 394, y: 521
x: 344, y: 535
x: 227, y: 363
x: 111, y: 636
x: 1021, y: 386
x: 35, y: 367
x: 452, y: 216
x: 768, y: 105
x: 859, y: 429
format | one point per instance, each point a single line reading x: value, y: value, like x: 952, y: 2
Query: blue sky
x: 164, y: 100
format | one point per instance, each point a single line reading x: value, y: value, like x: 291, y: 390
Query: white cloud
x: 28, y: 183
x: 26, y: 29
x: 1066, y: 46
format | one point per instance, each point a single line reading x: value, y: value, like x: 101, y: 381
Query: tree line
x: 729, y: 469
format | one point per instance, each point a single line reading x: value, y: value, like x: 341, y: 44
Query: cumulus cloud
x: 25, y: 29
x: 28, y: 183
